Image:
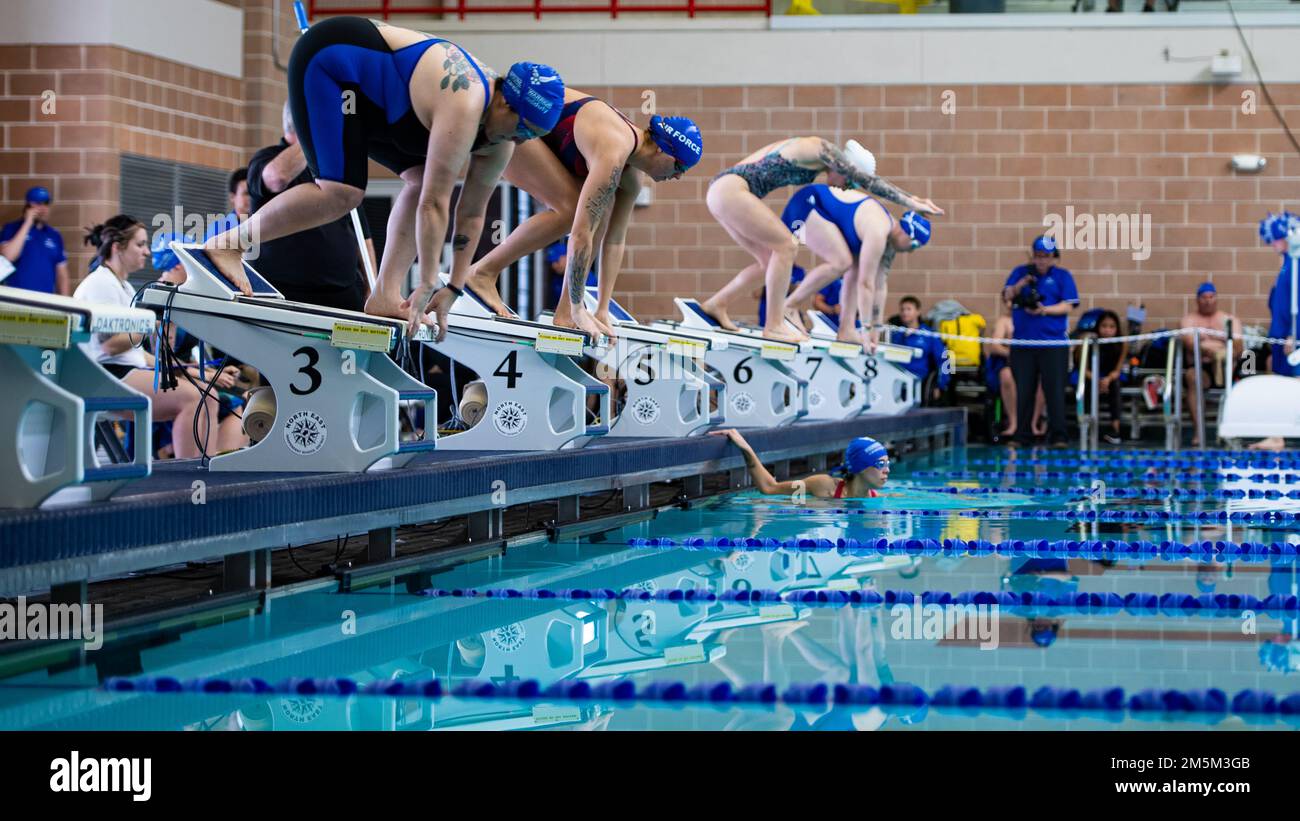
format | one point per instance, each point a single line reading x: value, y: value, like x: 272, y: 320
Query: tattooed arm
x: 594, y: 204
x: 481, y: 179
x: 830, y: 156
x: 613, y: 237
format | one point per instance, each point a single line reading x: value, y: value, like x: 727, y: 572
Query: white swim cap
x: 861, y: 157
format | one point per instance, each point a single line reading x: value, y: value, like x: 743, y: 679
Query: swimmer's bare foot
x: 485, y: 288
x: 855, y: 338
x: 606, y: 324
x: 230, y: 262
x: 795, y: 317
x: 581, y: 320
x: 719, y: 313
x: 784, y: 335
x: 1272, y: 443
x: 379, y: 305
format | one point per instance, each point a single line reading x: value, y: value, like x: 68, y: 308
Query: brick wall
x: 1009, y: 155
x: 109, y: 101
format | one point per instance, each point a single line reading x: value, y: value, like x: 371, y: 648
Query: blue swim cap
x: 556, y: 250
x: 535, y: 92
x: 1044, y: 636
x: 863, y: 453
x: 678, y: 137
x: 915, y: 226
x: 1274, y: 226
x: 164, y: 258
x: 40, y: 195
x: 1206, y: 288
x: 1046, y: 245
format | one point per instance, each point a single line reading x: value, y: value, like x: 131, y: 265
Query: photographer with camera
x: 1042, y: 296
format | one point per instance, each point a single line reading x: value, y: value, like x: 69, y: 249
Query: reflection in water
x: 402, y: 635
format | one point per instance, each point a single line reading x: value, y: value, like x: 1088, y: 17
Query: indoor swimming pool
x: 1116, y: 590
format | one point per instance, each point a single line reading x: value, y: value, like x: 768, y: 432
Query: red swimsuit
x: 839, y: 491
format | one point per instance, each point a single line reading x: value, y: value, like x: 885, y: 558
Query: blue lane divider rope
x: 1209, y: 605
x: 1204, y: 464
x: 1189, y: 453
x: 1119, y: 492
x: 1141, y: 516
x: 1276, y: 552
x: 1189, y: 478
x: 1256, y: 706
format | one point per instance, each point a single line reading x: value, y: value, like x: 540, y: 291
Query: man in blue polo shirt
x: 1042, y: 296
x: 35, y: 249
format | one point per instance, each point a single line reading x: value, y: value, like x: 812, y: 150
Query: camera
x: 1028, y: 298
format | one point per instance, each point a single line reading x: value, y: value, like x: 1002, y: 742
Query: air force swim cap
x: 1206, y: 288
x: 535, y: 92
x: 679, y: 137
x: 862, y: 453
x: 1274, y: 226
x: 164, y: 258
x: 915, y: 226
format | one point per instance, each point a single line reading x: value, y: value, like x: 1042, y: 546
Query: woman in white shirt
x: 123, y: 246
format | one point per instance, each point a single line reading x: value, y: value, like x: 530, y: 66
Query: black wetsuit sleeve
x: 258, y: 193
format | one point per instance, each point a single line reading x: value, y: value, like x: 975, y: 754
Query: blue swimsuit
x: 339, y: 132
x: 829, y: 207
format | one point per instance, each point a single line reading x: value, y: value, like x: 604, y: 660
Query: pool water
x: 416, y: 630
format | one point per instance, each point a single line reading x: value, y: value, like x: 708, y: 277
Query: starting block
x: 667, y: 392
x: 534, y: 393
x: 338, y: 396
x: 762, y: 390
x: 891, y: 389
x: 55, y: 393
x: 837, y: 388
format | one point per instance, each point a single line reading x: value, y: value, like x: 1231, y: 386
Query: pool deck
x: 159, y: 521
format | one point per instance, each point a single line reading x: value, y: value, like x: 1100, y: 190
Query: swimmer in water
x: 865, y: 469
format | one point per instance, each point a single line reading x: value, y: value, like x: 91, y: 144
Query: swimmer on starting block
x: 735, y: 200
x: 865, y: 471
x: 856, y: 243
x: 420, y: 106
x: 588, y: 172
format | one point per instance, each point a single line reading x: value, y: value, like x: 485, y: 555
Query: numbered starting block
x: 891, y: 388
x: 339, y: 398
x: 837, y: 386
x: 762, y: 389
x: 56, y: 398
x: 533, y: 394
x: 665, y: 391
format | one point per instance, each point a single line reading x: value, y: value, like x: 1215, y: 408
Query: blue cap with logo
x: 679, y: 137
x: 862, y: 453
x: 1206, y: 288
x: 38, y: 195
x: 535, y: 92
x: 1046, y: 245
x: 915, y: 226
x: 164, y: 258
